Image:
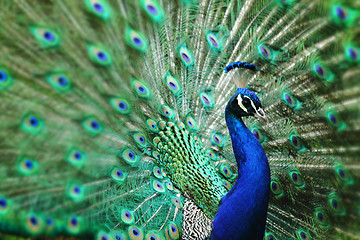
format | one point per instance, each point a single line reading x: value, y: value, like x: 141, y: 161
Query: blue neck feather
x: 242, y: 211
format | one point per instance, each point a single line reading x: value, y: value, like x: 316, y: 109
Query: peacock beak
x: 260, y: 113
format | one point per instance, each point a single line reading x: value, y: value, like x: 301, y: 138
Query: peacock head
x: 245, y: 103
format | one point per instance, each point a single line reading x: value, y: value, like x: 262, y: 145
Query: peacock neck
x: 243, y: 210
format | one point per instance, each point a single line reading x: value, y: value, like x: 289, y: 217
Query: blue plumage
x: 242, y: 211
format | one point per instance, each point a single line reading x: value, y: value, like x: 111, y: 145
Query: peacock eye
x: 246, y: 101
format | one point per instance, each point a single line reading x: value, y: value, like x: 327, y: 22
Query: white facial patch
x: 253, y: 105
x: 239, y: 99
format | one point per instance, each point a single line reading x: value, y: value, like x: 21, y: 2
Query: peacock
x: 180, y: 119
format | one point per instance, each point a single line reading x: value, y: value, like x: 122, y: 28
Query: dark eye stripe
x: 246, y: 101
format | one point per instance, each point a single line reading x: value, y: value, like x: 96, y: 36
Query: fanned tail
x: 112, y: 122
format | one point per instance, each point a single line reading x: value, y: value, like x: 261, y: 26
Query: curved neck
x: 242, y: 212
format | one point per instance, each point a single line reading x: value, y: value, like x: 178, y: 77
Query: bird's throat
x: 242, y: 212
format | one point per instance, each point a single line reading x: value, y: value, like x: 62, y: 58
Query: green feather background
x: 112, y: 115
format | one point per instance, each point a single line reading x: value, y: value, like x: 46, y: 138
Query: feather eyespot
x: 118, y: 237
x: 130, y: 156
x: 180, y: 125
x: 176, y: 202
x: 152, y: 236
x: 98, y: 8
x: 217, y: 140
x: 5, y: 79
x: 227, y: 184
x: 190, y: 122
x: 206, y: 99
x: 120, y: 105
x: 320, y: 70
x: 152, y: 126
x: 99, y: 55
x: 341, y: 13
x: 3, y: 204
x: 62, y: 81
x: 214, y: 41
x: 136, y: 40
x: 156, y: 155
x: 172, y: 83
x: 296, y: 178
x: 75, y: 157
x: 212, y: 155
x: 343, y: 175
x: 321, y: 218
x: 226, y: 171
x: 135, y: 233
x: 186, y: 56
x: 59, y: 81
x: 265, y: 52
x: 49, y: 222
x: 172, y: 231
x: 352, y: 54
x: 269, y: 236
x: 92, y: 126
x: 75, y: 192
x: 333, y: 118
x: 49, y: 36
x: 118, y: 175
x: 303, y: 235
x: 157, y: 172
x: 32, y: 124
x: 34, y: 224
x: 153, y: 9
x: 140, y: 89
x: 258, y: 134
x: 74, y: 225
x: 323, y: 72
x: 140, y: 139
x: 166, y: 111
x: 104, y: 237
x: 290, y: 100
x: 296, y: 142
x: 127, y: 216
x: 27, y: 166
x: 73, y: 222
x: 162, y: 124
x: 3, y: 76
x: 336, y: 204
x: 158, y: 186
x: 335, y: 121
x: 169, y: 185
x: 276, y: 188
x: 45, y: 37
